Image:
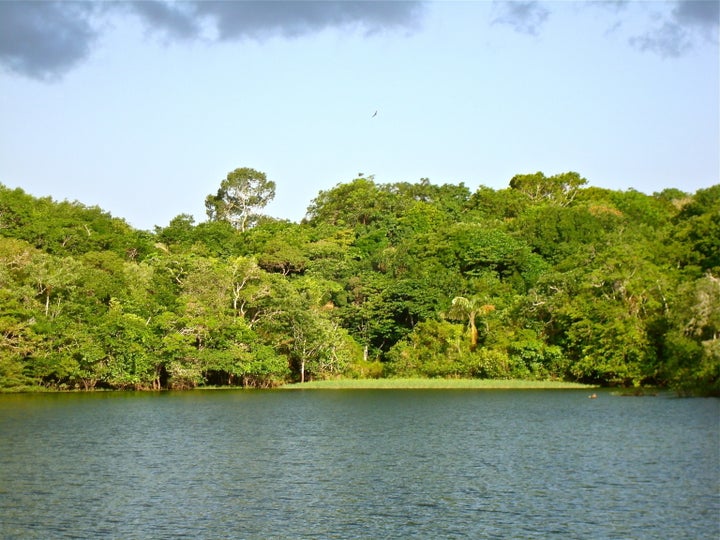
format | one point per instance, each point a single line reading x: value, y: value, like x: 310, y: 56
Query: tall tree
x: 559, y: 189
x: 243, y: 192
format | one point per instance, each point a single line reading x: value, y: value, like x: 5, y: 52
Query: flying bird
x: 374, y: 114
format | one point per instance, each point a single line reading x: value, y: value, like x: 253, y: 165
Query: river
x: 359, y: 464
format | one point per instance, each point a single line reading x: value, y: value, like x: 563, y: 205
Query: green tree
x: 558, y: 232
x: 697, y: 228
x: 280, y: 246
x: 476, y: 249
x: 131, y: 349
x: 502, y: 205
x: 559, y: 189
x: 693, y: 340
x: 243, y: 192
x: 179, y: 232
x: 319, y: 347
x: 357, y: 203
x: 433, y: 349
x: 67, y: 228
x: 54, y: 279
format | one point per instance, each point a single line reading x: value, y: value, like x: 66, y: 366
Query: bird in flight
x: 374, y: 114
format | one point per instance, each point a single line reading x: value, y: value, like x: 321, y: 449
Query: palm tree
x: 463, y: 308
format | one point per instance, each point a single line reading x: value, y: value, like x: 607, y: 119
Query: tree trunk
x: 473, y: 332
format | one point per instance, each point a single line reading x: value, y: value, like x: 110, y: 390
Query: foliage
x: 544, y: 280
x: 241, y: 194
x: 559, y: 189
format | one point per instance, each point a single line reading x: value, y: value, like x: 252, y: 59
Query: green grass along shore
x: 416, y: 383
x: 419, y: 383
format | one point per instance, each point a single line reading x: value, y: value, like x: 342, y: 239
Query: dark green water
x: 359, y: 464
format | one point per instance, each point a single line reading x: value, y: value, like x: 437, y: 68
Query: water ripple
x: 360, y: 464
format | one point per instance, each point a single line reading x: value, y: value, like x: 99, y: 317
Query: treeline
x: 546, y: 279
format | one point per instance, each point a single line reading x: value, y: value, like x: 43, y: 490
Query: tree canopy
x: 545, y: 279
x: 241, y: 194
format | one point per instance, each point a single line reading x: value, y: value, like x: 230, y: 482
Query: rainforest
x: 547, y: 279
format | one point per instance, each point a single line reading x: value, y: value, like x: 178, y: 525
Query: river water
x: 359, y: 464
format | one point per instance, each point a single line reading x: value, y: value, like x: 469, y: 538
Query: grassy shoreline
x: 350, y: 384
x: 409, y: 384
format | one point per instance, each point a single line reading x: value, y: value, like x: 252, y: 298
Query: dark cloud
x: 614, y: 5
x: 175, y: 21
x: 237, y: 20
x: 674, y: 27
x: 523, y: 17
x: 703, y: 14
x: 44, y: 40
x: 688, y: 23
x: 669, y: 40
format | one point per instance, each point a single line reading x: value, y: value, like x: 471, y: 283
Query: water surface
x: 358, y: 464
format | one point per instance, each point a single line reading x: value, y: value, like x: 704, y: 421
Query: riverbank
x: 443, y: 384
x: 358, y: 384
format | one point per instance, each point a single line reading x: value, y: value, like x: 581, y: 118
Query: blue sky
x: 143, y: 108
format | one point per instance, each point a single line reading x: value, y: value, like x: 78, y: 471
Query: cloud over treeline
x: 44, y: 40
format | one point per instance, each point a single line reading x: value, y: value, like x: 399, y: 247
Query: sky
x: 143, y: 108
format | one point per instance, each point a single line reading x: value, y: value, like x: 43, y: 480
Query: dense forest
x: 545, y: 279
